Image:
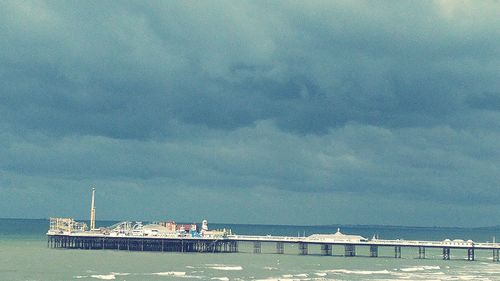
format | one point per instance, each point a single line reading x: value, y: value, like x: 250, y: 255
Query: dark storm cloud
x: 310, y: 67
x: 485, y: 101
x: 348, y: 99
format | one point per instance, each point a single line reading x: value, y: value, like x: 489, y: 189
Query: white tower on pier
x: 92, y: 211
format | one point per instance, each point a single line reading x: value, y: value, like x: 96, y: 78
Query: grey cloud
x: 310, y: 67
x: 485, y: 101
x: 437, y: 164
x: 319, y: 99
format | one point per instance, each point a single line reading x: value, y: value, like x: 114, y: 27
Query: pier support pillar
x: 496, y: 255
x: 421, y: 252
x: 233, y: 246
x: 350, y: 250
x: 303, y: 248
x: 326, y: 250
x: 257, y: 247
x: 280, y: 248
x: 470, y: 254
x: 446, y: 253
x: 397, y: 252
x: 373, y: 251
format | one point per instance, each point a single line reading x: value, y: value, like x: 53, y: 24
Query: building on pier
x: 338, y: 236
x: 65, y: 226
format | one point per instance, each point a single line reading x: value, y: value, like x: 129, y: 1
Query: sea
x: 24, y: 255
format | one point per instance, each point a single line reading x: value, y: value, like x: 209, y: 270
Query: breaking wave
x: 170, y: 273
x: 104, y: 276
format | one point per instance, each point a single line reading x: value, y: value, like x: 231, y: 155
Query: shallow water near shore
x: 24, y: 256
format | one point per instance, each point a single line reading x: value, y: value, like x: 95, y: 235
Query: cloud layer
x: 316, y: 112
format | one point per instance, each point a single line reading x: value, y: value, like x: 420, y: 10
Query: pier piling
x: 496, y: 255
x: 397, y: 252
x: 421, y: 252
x: 280, y: 248
x: 326, y: 249
x: 350, y: 250
x: 470, y: 254
x: 303, y: 249
x: 257, y: 247
x: 142, y: 244
x: 446, y: 254
x: 373, y: 251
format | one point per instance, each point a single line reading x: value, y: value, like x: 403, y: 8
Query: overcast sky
x: 277, y: 112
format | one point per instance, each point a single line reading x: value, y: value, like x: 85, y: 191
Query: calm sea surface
x: 24, y: 256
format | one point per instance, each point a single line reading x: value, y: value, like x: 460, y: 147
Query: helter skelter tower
x: 92, y: 210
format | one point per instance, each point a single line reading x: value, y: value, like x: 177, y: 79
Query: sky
x: 271, y: 112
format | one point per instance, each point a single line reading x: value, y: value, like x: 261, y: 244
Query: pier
x: 168, y: 236
x: 229, y: 244
x: 181, y: 245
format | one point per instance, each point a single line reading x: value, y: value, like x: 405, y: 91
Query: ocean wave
x: 360, y: 272
x: 170, y: 273
x: 229, y: 268
x: 120, y: 273
x: 295, y: 275
x: 412, y: 269
x: 431, y: 267
x: 278, y: 279
x: 104, y: 276
x: 220, y: 278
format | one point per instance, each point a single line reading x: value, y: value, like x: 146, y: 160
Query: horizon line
x: 295, y: 225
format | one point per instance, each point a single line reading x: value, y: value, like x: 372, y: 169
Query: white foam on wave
x: 104, y: 276
x: 303, y: 275
x: 278, y: 279
x: 270, y: 268
x: 80, y: 276
x: 120, y: 273
x: 419, y: 275
x: 412, y: 269
x: 220, y: 278
x: 360, y: 272
x: 227, y: 268
x: 170, y: 273
x: 431, y: 267
x: 320, y: 274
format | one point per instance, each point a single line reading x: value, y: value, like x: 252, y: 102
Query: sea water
x: 24, y: 256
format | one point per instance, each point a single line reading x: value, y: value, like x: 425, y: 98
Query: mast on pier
x: 92, y: 211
